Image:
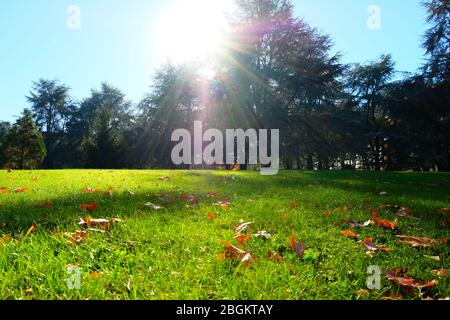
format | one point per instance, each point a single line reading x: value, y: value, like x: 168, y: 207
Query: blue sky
x: 116, y: 42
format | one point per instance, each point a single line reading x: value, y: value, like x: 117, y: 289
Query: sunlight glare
x: 192, y: 29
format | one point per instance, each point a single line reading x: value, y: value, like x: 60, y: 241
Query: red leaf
x: 348, y: 233
x: 88, y: 207
x: 409, y: 282
x: 88, y: 190
x: 242, y: 239
x: 211, y: 216
x: 297, y: 246
x: 384, y: 223
x: 368, y: 243
x: 189, y: 199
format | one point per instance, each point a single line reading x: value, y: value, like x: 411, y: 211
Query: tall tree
x: 437, y: 41
x: 25, y: 146
x: 52, y: 109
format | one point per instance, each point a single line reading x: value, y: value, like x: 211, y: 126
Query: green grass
x: 171, y: 254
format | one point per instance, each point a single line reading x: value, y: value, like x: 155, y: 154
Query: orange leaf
x: 211, y: 216
x: 19, y: 190
x: 95, y: 275
x: 8, y: 170
x: 77, y: 237
x: 348, y: 233
x: 409, y: 281
x: 327, y: 213
x: 294, y: 205
x: 88, y: 207
x: 88, y: 190
x: 3, y: 190
x: 242, y: 239
x: 274, y: 256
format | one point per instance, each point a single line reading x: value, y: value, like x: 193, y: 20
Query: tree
x: 5, y: 127
x: 25, y: 146
x: 437, y: 41
x: 368, y: 85
x: 52, y: 109
x: 102, y: 122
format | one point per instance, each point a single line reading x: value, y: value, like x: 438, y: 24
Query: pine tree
x: 25, y: 146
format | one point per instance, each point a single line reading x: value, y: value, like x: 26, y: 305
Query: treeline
x: 274, y: 72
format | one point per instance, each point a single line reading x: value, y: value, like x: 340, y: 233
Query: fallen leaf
x: 443, y: 211
x: 392, y: 296
x: 211, y: 216
x: 444, y: 273
x: 88, y: 190
x: 153, y: 206
x: 32, y: 229
x: 409, y: 282
x: 284, y: 217
x: 95, y: 275
x: 241, y: 228
x: 435, y: 258
x: 420, y: 242
x: 88, y: 207
x: 404, y: 212
x: 189, y: 199
x: 19, y: 190
x: 368, y: 243
x: 242, y: 239
x: 384, y: 223
x: 294, y: 205
x: 327, y: 213
x: 356, y: 224
x: 212, y: 194
x: 349, y: 233
x: 263, y: 234
x: 236, y: 254
x: 274, y: 256
x: 297, y: 246
x: 77, y: 237
x: 104, y: 224
x: 8, y: 170
x: 248, y: 259
x: 3, y: 190
x: 164, y: 178
x: 46, y: 205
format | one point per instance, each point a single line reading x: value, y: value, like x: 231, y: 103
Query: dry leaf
x: 294, y: 205
x: 349, y: 233
x: 368, y: 243
x: 236, y: 254
x: 5, y: 239
x: 242, y: 228
x: 95, y: 275
x: 392, y: 296
x: 443, y: 211
x: 248, y: 259
x: 19, y: 190
x: 356, y: 224
x: 384, y: 223
x: 420, y: 242
x: 409, y: 282
x: 189, y: 199
x: 3, y: 190
x: 153, y: 206
x: 211, y: 216
x: 263, y: 234
x: 77, y: 237
x: 164, y: 178
x: 442, y: 272
x: 104, y: 224
x: 88, y: 207
x: 88, y: 190
x: 242, y: 239
x: 274, y: 256
x: 297, y: 246
x: 327, y: 213
x: 212, y: 194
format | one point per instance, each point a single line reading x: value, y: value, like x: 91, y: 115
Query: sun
x: 192, y: 29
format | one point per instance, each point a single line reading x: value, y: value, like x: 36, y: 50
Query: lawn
x: 174, y: 252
